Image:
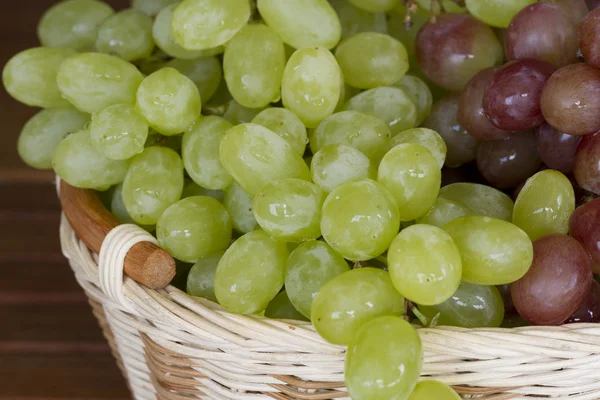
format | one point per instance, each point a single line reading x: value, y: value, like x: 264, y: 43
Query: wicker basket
x: 173, y: 346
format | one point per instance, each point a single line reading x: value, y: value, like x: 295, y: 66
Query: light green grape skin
x: 429, y: 389
x: 375, y: 5
x: 154, y: 182
x: 482, y: 199
x: 425, y: 137
x: 281, y: 308
x: 162, y: 35
x: 205, y: 72
x: 238, y: 114
x: 397, y: 29
x: 496, y: 13
x: 286, y: 124
x: 360, y: 219
x: 78, y: 163
x: 349, y: 300
x: 191, y: 188
x: 200, y: 152
x: 73, y: 24
x: 493, y: 251
x: 169, y: 101
x: 545, y: 204
x: 30, y: 76
x: 311, y: 85
x: 94, y: 81
x: 355, y: 20
x: 371, y: 59
x: 390, y: 104
x: 44, y: 131
x: 412, y: 174
x: 251, y: 273
x: 240, y: 207
x: 127, y: 34
x: 364, y: 132
x: 384, y: 360
x: 255, y: 156
x: 424, y: 264
x: 201, y: 278
x: 335, y: 164
x: 253, y: 65
x: 419, y: 93
x: 203, y: 24
x: 302, y: 23
x: 117, y: 208
x: 444, y: 211
x: 194, y: 227
x: 311, y: 265
x: 119, y: 132
x: 449, y: 6
x: 471, y: 306
x: 151, y: 7
x: 289, y: 209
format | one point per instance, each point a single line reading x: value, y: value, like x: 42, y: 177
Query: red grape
x: 512, y: 98
x: 556, y: 149
x: 542, y: 31
x: 576, y: 9
x: 590, y: 309
x: 589, y: 38
x: 584, y: 226
x: 470, y: 109
x: 593, y: 4
x: 571, y: 99
x: 557, y: 282
x: 587, y: 163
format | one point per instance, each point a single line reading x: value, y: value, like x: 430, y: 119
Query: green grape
x: 154, y: 182
x: 203, y: 24
x: 127, y: 34
x: 255, y: 156
x: 194, y: 227
x: 424, y: 264
x: 346, y: 302
x: 200, y: 152
x: 311, y: 85
x: 78, y: 163
x: 169, y: 101
x: 117, y: 208
x: 30, y: 76
x: 425, y: 137
x: 289, y: 209
x: 355, y: 20
x: 201, y: 278
x: 375, y: 5
x: 302, y: 23
x: 205, y: 72
x: 384, y: 360
x: 335, y: 164
x: 362, y: 131
x: 493, y: 251
x: 429, y: 389
x: 450, y: 6
x: 444, y: 211
x: 496, y: 13
x: 251, y: 273
x: 238, y: 114
x: 119, y: 132
x: 310, y: 266
x: 482, y: 199
x: 471, y: 306
x: 191, y: 188
x: 390, y: 104
x: 94, y: 81
x: 371, y: 59
x: 162, y: 35
x: 286, y: 124
x: 281, y: 308
x: 545, y: 204
x: 412, y: 174
x: 44, y: 131
x: 253, y: 66
x: 240, y: 207
x: 151, y: 7
x: 360, y: 219
x: 397, y: 29
x: 73, y: 24
x: 419, y: 93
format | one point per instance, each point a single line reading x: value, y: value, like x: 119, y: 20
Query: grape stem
x: 426, y: 322
x: 411, y: 9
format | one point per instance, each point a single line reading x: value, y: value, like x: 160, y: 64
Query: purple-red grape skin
x: 571, y: 99
x: 576, y: 9
x: 557, y: 282
x: 508, y: 162
x: 585, y: 227
x: 593, y: 4
x: 470, y: 109
x: 589, y: 38
x: 556, y: 149
x: 542, y: 31
x: 587, y: 163
x: 590, y: 309
x: 511, y: 100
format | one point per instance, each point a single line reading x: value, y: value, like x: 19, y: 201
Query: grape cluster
x: 362, y: 164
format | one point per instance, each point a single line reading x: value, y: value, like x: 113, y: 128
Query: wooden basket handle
x: 145, y: 263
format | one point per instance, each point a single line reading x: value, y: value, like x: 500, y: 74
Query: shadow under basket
x: 171, y: 346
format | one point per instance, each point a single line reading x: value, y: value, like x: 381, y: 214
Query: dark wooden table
x: 50, y: 344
